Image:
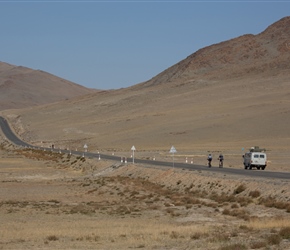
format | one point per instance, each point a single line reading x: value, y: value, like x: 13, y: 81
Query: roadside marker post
x: 173, y: 151
x: 133, y: 150
x: 86, y: 149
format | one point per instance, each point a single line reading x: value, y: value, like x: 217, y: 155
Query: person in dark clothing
x: 209, y: 159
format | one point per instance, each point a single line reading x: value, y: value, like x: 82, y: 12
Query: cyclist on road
x: 209, y: 159
x: 221, y: 160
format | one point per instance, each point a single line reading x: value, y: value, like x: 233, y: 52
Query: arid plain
x: 224, y: 98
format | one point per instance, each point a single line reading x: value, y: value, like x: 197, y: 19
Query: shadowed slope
x: 23, y: 87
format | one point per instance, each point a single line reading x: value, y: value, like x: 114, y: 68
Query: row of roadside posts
x: 133, y: 149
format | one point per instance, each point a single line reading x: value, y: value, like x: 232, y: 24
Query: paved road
x: 250, y: 173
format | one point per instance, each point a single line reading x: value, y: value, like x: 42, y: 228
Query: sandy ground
x: 65, y: 202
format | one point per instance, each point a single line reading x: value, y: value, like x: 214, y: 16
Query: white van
x: 255, y: 159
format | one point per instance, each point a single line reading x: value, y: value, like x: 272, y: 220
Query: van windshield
x: 262, y: 156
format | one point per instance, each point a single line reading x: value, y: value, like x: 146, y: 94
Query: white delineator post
x: 133, y: 150
x: 86, y: 149
x: 173, y: 151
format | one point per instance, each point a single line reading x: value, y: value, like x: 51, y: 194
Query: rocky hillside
x: 266, y: 54
x: 24, y: 87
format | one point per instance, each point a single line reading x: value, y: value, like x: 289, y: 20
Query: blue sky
x: 116, y: 44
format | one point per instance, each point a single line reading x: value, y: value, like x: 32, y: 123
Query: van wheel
x: 263, y: 167
x: 258, y: 168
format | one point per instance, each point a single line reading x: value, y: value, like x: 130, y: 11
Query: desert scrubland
x: 59, y: 201
x: 224, y: 98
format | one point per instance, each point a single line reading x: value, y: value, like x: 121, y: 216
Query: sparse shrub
x: 52, y: 238
x: 54, y: 201
x: 258, y: 244
x: 156, y: 199
x: 244, y: 201
x: 223, y: 198
x: 174, y: 235
x: 285, y: 233
x: 234, y: 234
x: 169, y: 210
x: 212, y: 204
x: 268, y: 202
x: 237, y: 212
x: 166, y: 204
x: 198, y: 235
x: 82, y: 209
x: 235, y: 205
x: 240, y: 213
x: 219, y: 237
x: 154, y: 207
x: 193, y: 201
x: 226, y: 212
x: 255, y: 194
x: 245, y: 227
x: 178, y: 203
x: 280, y: 205
x: 134, y: 193
x: 92, y: 238
x: 237, y: 246
x: 188, y: 206
x: 274, y: 239
x: 241, y: 188
x: 271, y: 202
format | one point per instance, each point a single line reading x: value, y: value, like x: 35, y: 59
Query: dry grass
x: 111, y: 232
x: 129, y: 207
x: 268, y: 223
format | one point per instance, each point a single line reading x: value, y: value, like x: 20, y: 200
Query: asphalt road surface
x: 250, y: 173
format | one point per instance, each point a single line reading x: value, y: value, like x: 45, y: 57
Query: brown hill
x: 266, y: 54
x: 23, y: 87
x: 223, y: 97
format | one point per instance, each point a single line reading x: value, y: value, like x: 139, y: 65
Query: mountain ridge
x: 208, y: 62
x: 22, y: 87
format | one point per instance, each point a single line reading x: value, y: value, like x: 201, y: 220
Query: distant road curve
x: 250, y: 173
